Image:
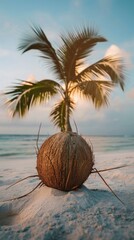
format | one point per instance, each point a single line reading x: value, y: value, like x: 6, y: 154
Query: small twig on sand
x: 22, y: 180
x: 75, y: 126
x: 16, y: 198
x: 108, y: 169
x: 109, y: 187
x: 37, y: 140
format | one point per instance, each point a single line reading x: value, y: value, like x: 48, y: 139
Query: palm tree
x: 94, y: 82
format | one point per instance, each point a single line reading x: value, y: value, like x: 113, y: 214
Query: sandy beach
x: 66, y: 73
x: 90, y: 212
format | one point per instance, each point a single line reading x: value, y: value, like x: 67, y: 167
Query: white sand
x: 91, y: 212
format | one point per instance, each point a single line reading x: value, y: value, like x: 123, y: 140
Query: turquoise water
x: 23, y: 146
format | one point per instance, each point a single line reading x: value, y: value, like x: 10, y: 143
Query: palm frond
x: 76, y: 47
x: 111, y: 67
x: 97, y: 91
x: 38, y: 41
x: 26, y: 94
x: 58, y: 113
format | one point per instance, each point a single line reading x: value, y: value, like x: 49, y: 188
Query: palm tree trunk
x: 67, y: 115
x: 67, y: 120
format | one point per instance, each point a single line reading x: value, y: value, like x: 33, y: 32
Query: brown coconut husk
x: 64, y: 161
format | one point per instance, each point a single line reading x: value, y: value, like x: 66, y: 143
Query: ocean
x: 24, y: 146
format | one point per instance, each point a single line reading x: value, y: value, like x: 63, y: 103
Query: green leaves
x: 26, y: 94
x: 110, y: 67
x: 59, y: 112
x: 38, y: 41
x: 97, y: 80
x: 76, y: 47
x: 97, y: 91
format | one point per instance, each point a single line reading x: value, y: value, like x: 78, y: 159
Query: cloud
x: 29, y: 124
x: 85, y: 111
x: 131, y: 94
x: 77, y: 3
x: 130, y: 50
x: 129, y: 45
x: 8, y: 26
x: 114, y: 50
x: 31, y: 78
x: 4, y: 52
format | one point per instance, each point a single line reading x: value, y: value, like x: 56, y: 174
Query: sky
x: 113, y: 19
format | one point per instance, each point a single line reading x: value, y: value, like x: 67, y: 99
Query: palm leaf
x: 58, y: 113
x: 77, y: 46
x: 39, y: 41
x: 97, y: 91
x: 26, y: 94
x: 111, y: 67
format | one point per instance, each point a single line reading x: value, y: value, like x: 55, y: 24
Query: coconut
x: 64, y: 161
